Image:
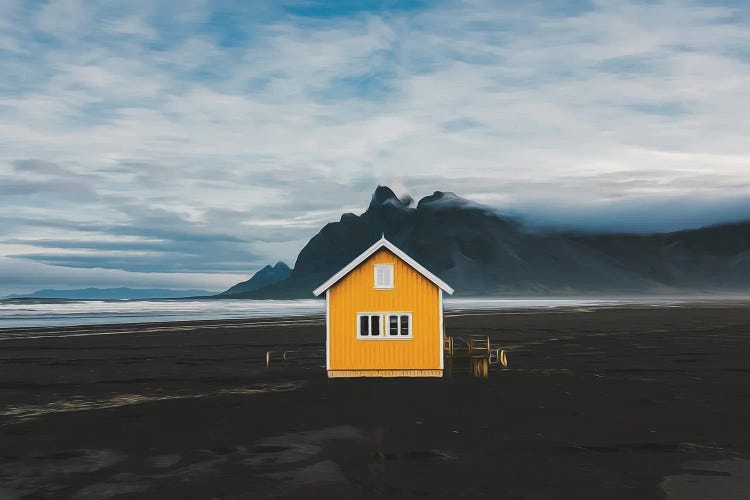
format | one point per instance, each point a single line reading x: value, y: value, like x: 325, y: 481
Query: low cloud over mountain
x: 479, y: 251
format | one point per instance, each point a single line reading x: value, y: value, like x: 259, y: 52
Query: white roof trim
x: 382, y: 242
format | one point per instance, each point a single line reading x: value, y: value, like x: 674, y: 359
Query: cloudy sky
x: 186, y: 144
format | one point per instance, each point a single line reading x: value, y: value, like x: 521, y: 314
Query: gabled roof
x: 383, y: 243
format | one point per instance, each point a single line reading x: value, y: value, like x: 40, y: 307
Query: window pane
x: 392, y: 325
x: 404, y: 325
x: 383, y: 276
x: 375, y: 325
x: 363, y: 330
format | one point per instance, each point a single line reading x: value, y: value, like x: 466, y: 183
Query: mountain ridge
x: 481, y: 252
x: 267, y: 276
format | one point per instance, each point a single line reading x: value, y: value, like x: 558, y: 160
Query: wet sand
x: 597, y: 403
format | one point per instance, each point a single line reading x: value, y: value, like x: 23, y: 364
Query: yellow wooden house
x: 384, y: 316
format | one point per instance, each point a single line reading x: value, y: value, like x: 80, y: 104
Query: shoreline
x: 124, y: 328
x: 452, y: 308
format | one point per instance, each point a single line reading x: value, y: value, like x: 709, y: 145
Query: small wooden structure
x: 384, y: 316
x: 477, y: 350
x: 479, y: 353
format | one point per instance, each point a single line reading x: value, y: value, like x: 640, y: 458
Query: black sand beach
x: 606, y: 403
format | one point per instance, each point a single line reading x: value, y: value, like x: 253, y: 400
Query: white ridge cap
x: 382, y: 242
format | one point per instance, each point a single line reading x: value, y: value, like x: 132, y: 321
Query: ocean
x: 27, y: 313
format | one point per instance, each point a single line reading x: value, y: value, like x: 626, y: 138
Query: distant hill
x: 479, y: 251
x: 112, y: 294
x: 263, y: 278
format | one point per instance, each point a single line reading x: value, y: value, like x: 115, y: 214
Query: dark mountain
x: 263, y: 278
x: 111, y: 294
x: 478, y: 251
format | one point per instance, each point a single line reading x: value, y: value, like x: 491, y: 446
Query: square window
x: 384, y: 325
x: 383, y: 276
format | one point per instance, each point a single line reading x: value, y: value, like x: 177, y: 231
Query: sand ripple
x: 79, y: 403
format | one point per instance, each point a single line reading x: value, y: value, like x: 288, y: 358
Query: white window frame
x: 384, y: 326
x: 375, y: 276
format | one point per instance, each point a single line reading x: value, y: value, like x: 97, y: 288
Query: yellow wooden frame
x: 385, y: 373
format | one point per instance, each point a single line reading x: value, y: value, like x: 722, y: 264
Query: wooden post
x: 480, y: 366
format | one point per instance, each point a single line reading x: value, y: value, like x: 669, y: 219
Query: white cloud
x: 135, y: 26
x: 281, y: 120
x: 63, y: 17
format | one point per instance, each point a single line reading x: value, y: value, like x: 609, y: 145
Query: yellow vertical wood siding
x: 411, y: 292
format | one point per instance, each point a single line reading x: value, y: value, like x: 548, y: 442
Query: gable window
x: 383, y: 276
x: 384, y: 325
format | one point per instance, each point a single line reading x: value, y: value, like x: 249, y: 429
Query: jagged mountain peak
x: 267, y: 276
x: 447, y: 200
x: 384, y: 195
x: 479, y: 251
